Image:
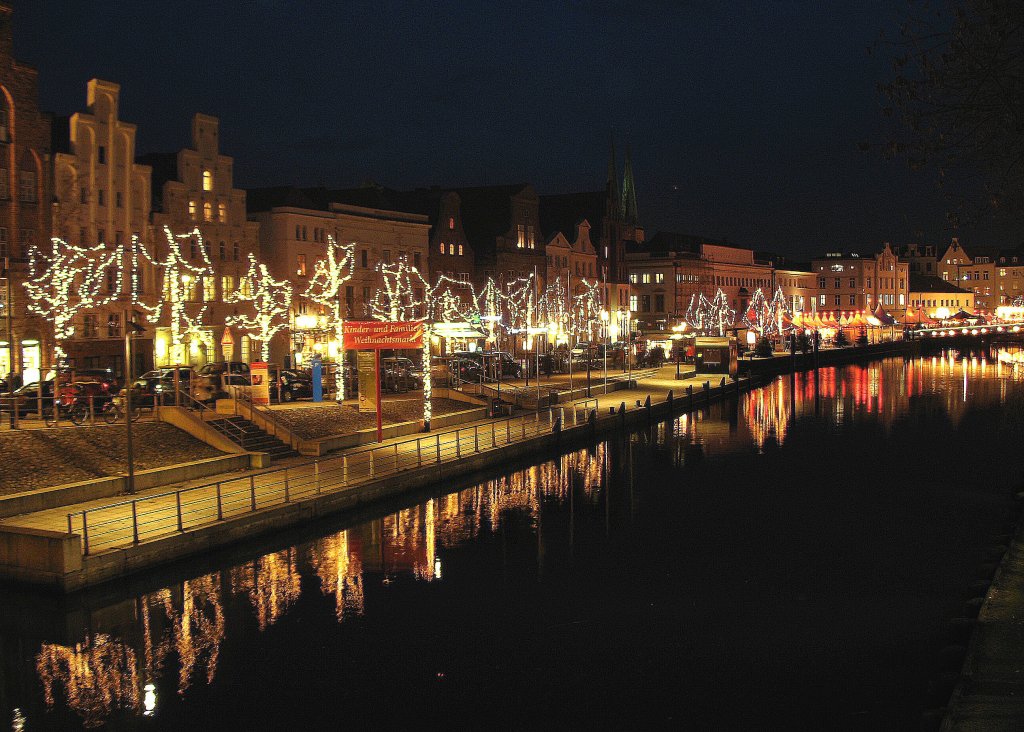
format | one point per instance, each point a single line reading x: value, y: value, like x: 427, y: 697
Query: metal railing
x: 126, y: 523
x: 277, y: 428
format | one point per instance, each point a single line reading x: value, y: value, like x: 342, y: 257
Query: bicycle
x: 114, y: 410
x: 78, y: 413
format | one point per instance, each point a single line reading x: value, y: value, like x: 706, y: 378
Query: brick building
x: 25, y: 192
x: 852, y: 281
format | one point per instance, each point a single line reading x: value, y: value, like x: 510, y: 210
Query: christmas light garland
x: 271, y: 301
x: 326, y: 287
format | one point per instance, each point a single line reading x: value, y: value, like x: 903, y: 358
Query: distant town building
x: 852, y: 281
x: 938, y: 297
x: 293, y: 235
x: 995, y: 277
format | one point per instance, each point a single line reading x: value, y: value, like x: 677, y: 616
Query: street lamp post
x: 604, y: 327
x: 130, y: 329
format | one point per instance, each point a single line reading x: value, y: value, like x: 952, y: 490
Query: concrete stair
x: 247, y: 435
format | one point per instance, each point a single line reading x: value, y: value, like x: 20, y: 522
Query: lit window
x: 442, y: 247
x: 227, y: 285
x: 207, y: 211
x: 646, y: 278
x: 451, y: 223
x: 634, y: 302
x: 659, y: 277
x: 192, y: 210
x: 223, y: 212
x: 520, y: 236
x: 460, y: 250
x: 209, y: 289
x: 300, y: 266
x: 207, y: 180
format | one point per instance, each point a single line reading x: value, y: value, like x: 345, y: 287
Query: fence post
x: 135, y: 523
x: 177, y: 501
x: 508, y: 431
x: 476, y: 439
x: 689, y: 398
x: 437, y: 444
x: 371, y: 463
x: 458, y: 445
x: 85, y: 535
x: 220, y: 505
x: 92, y: 410
x: 252, y: 492
x: 396, y: 457
x: 524, y: 429
x: 419, y: 453
x: 494, y: 439
x: 316, y: 475
x: 69, y: 524
x: 287, y: 490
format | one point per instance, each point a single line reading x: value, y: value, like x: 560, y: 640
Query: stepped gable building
x: 102, y: 196
x: 194, y: 189
x: 25, y: 193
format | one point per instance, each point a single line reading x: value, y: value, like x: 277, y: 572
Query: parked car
x: 222, y: 367
x: 27, y: 398
x: 464, y: 369
x: 101, y: 376
x: 489, y: 360
x: 399, y: 374
x: 294, y: 385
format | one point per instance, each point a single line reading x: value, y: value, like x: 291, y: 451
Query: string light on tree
x: 403, y: 294
x: 66, y: 280
x: 271, y: 301
x: 326, y: 288
x: 181, y: 279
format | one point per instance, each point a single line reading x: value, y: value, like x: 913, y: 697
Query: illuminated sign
x: 373, y: 335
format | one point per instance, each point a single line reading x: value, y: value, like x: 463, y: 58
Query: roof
x: 264, y: 199
x: 670, y: 241
x: 487, y: 214
x: 165, y: 168
x: 931, y: 283
x: 563, y: 211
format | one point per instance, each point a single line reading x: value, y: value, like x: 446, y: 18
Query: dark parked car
x: 27, y: 398
x: 294, y: 385
x: 399, y: 374
x: 489, y: 360
x: 221, y: 367
x: 101, y: 376
x: 464, y: 369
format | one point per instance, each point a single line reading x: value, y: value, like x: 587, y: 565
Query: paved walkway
x: 116, y: 522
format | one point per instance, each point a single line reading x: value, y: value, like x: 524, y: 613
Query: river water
x: 791, y: 559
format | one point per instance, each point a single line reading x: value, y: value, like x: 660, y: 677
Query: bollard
x: 252, y: 492
x: 670, y: 398
x: 316, y: 472
x: 689, y: 398
x: 557, y: 427
x: 647, y: 406
x: 135, y: 523
x: 220, y: 506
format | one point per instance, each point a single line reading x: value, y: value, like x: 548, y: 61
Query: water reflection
x: 132, y: 651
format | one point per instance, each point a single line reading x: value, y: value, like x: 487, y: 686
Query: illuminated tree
x: 585, y: 316
x: 722, y: 316
x: 66, y: 280
x: 185, y: 289
x: 327, y: 287
x: 271, y: 300
x: 452, y: 300
x: 402, y: 295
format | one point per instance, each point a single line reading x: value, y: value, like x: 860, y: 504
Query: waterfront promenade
x: 216, y: 511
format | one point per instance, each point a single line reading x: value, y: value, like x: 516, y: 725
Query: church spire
x: 629, y: 211
x: 612, y: 185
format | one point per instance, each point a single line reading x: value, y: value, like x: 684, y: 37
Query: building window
x: 4, y: 248
x: 101, y: 153
x: 442, y: 247
x: 227, y: 285
x: 193, y: 248
x: 236, y: 251
x: 222, y: 211
x: 101, y: 236
x: 838, y: 303
x: 209, y: 289
x: 223, y: 252
x: 27, y: 189
x: 113, y: 325
x: 192, y: 210
x: 207, y: 180
x: 207, y: 211
x: 645, y: 303
x: 646, y: 278
x: 659, y: 278
x: 298, y: 232
x: 386, y: 256
x: 853, y: 300
x: 632, y: 278
x: 451, y: 223
x: 416, y: 260
x: 5, y: 189
x: 821, y: 300
x: 5, y: 135
x: 520, y: 236
x: 853, y: 282
x: 659, y: 303
x: 303, y: 233
x: 362, y: 258
x: 633, y: 302
x: 89, y: 326
x: 300, y: 265
x: 460, y: 250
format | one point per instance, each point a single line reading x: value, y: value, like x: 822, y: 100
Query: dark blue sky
x: 743, y: 117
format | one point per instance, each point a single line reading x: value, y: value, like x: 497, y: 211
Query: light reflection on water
x: 171, y: 639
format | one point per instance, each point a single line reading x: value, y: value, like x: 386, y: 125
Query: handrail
x: 266, y: 413
x: 174, y: 510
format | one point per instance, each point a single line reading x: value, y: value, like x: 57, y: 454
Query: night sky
x: 743, y: 117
